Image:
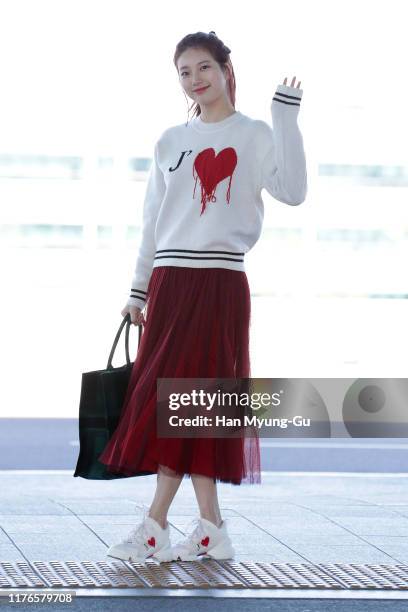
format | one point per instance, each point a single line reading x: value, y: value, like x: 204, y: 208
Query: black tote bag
x: 101, y: 401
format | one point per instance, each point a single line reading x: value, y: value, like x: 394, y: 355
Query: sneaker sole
x: 221, y: 551
x: 164, y: 554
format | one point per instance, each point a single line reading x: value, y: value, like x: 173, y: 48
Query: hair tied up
x: 225, y: 48
x: 217, y: 49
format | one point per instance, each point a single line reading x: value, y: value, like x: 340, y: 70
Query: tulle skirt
x: 197, y: 326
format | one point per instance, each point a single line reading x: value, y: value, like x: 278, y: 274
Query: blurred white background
x: 87, y: 88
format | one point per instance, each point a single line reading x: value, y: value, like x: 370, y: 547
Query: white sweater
x: 203, y: 206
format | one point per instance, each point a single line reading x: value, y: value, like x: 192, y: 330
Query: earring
x: 188, y: 109
x: 187, y: 105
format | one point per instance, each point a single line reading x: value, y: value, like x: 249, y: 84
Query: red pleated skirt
x: 197, y: 326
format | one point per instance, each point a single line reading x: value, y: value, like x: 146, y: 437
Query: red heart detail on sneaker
x: 205, y: 541
x: 152, y: 541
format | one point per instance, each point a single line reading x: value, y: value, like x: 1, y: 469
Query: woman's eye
x: 205, y: 66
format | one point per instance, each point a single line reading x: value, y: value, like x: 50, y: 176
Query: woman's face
x: 197, y: 68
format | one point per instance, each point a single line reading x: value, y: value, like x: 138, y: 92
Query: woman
x: 202, y: 213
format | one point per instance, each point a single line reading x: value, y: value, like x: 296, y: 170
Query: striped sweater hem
x: 232, y: 260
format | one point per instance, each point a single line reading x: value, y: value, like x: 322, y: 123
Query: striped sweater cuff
x: 288, y: 96
x: 137, y: 297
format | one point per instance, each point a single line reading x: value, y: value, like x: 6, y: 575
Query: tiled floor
x: 289, y: 518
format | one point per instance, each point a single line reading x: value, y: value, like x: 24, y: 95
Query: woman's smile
x: 201, y: 90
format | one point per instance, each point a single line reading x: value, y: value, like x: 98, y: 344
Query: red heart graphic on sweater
x: 205, y: 541
x: 211, y: 170
x: 152, y: 541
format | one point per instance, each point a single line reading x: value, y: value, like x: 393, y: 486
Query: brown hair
x: 218, y: 50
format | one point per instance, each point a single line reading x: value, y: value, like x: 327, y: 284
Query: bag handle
x: 126, y: 320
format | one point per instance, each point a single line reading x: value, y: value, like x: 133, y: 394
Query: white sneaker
x: 146, y: 540
x: 206, y: 539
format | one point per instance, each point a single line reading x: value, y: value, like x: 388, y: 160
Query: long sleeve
x: 283, y: 170
x: 155, y: 191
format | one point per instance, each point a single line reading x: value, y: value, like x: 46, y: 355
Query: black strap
x: 126, y: 321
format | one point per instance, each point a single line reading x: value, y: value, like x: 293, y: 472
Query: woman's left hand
x: 293, y: 82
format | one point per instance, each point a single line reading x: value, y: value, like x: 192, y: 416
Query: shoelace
x: 191, y: 540
x: 142, y: 507
x: 140, y: 533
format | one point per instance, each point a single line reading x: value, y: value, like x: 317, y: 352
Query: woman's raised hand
x: 293, y: 82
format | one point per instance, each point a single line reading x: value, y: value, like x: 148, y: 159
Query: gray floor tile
x: 344, y: 554
x: 375, y: 526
